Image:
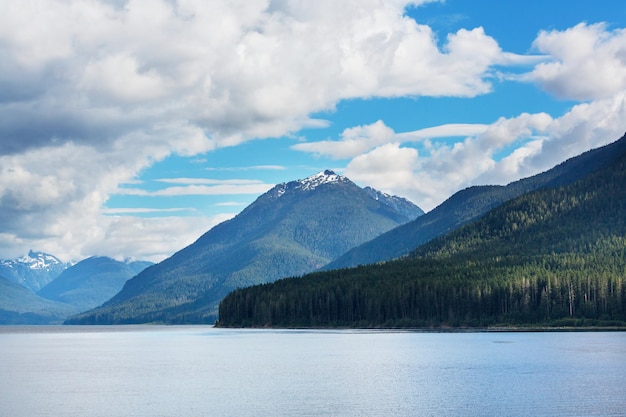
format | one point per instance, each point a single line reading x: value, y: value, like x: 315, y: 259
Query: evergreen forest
x: 551, y: 258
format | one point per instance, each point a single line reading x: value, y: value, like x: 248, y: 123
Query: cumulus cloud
x: 586, y: 62
x: 92, y: 92
x: 387, y: 160
x: 95, y: 70
x: 506, y: 150
x: 149, y: 238
x: 358, y: 140
x: 354, y: 141
x: 375, y: 168
x: 52, y: 199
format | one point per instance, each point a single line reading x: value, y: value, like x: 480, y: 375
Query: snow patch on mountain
x: 32, y: 271
x: 309, y: 183
x: 324, y: 177
x: 401, y: 205
x: 34, y: 260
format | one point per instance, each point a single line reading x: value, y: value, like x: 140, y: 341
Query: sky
x: 130, y: 128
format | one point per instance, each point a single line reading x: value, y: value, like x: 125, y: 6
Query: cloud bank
x: 585, y: 63
x: 499, y: 153
x: 94, y: 92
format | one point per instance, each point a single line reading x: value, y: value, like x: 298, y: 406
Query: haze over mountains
x: 33, y: 271
x: 20, y: 305
x: 43, y: 290
x: 91, y: 282
x: 294, y: 228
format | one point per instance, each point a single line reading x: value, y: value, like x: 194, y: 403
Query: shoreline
x: 495, y: 329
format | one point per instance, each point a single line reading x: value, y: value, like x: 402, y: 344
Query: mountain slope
x: 91, y: 282
x: 401, y: 205
x: 292, y: 229
x: 550, y: 257
x: 470, y: 204
x: 33, y: 271
x: 19, y: 305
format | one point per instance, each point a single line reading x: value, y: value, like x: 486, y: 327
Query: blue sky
x: 129, y: 128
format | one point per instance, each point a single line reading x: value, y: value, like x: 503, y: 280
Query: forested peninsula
x: 550, y: 258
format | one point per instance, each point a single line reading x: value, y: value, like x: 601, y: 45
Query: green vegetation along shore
x: 551, y: 258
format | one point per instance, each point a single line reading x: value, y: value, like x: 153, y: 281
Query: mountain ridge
x: 91, y: 282
x: 294, y: 228
x: 20, y: 305
x: 33, y: 271
x: 552, y: 257
x: 471, y: 203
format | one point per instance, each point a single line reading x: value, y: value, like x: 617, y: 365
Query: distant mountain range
x: 91, y: 282
x: 20, y: 305
x: 321, y: 222
x: 294, y: 228
x: 33, y: 271
x: 552, y: 257
x: 324, y: 221
x: 77, y: 288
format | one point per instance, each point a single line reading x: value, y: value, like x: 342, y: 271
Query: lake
x: 203, y: 371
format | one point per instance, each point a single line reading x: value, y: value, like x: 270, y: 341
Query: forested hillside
x: 19, y: 305
x: 91, y: 281
x: 470, y: 204
x: 294, y: 228
x: 551, y: 257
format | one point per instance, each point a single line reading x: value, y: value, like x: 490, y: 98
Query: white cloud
x: 442, y: 131
x: 534, y: 142
x: 234, y: 72
x: 144, y: 210
x: 587, y: 62
x: 52, y: 197
x: 388, y: 164
x: 379, y: 159
x: 354, y: 141
x: 359, y: 140
x: 92, y: 92
x: 210, y: 181
x: 151, y: 239
x: 222, y: 189
x: 250, y: 168
x: 200, y: 186
x: 118, y: 78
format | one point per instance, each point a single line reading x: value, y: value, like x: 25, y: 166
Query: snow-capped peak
x: 35, y: 261
x: 309, y: 183
x: 323, y: 177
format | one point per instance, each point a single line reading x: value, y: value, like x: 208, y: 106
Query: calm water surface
x: 202, y: 371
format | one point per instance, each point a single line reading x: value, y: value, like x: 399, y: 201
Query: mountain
x: 33, y: 271
x: 470, y: 204
x: 19, y: 305
x: 551, y: 257
x: 401, y: 205
x: 91, y: 282
x: 294, y: 228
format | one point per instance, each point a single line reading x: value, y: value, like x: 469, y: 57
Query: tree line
x: 552, y: 257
